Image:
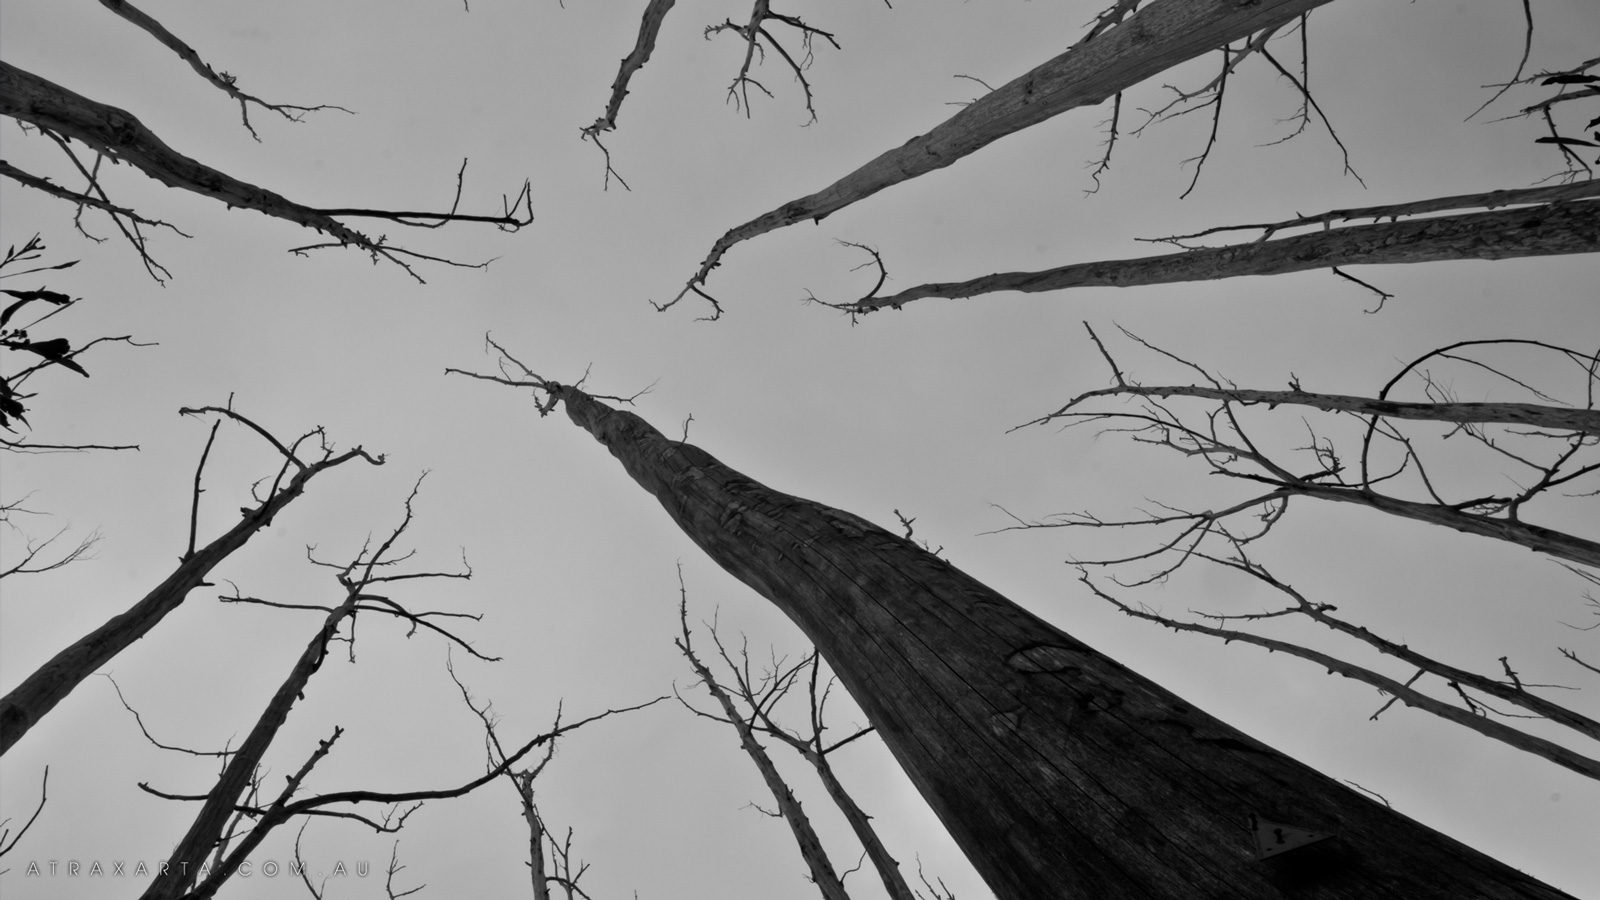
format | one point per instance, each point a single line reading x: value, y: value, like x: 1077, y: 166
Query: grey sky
x: 574, y: 564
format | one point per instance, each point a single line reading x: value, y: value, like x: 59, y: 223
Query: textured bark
x: 1559, y: 544
x: 1152, y: 40
x: 1550, y: 230
x: 655, y: 12
x: 1556, y: 418
x: 1576, y: 190
x: 119, y: 134
x: 1059, y: 772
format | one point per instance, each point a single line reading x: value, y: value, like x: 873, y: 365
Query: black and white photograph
x: 890, y: 449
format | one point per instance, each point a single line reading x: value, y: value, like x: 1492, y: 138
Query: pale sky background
x: 574, y: 564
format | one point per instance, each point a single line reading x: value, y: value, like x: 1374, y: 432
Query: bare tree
x: 1549, y: 447
x: 1126, y: 45
x: 41, y: 355
x: 1547, y: 221
x: 1122, y: 49
x: 550, y: 861
x: 26, y: 704
x: 760, y: 694
x: 758, y: 37
x: 748, y: 704
x: 655, y: 12
x: 1059, y: 772
x: 63, y: 116
x: 218, y: 831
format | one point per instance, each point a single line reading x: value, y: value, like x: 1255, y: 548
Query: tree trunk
x: 1059, y: 772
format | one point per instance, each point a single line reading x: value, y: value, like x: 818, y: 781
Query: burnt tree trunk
x: 1060, y: 773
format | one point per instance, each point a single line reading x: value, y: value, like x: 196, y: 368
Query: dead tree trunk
x: 1058, y: 771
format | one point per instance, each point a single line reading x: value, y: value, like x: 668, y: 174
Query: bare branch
x: 30, y: 563
x: 816, y: 858
x: 513, y: 373
x: 1522, y: 64
x: 139, y: 720
x: 753, y: 33
x: 1585, y: 421
x: 1549, y: 750
x: 223, y: 81
x: 1163, y: 34
x: 8, y: 846
x: 37, y: 694
x: 1552, y: 229
x: 120, y: 135
x: 655, y: 12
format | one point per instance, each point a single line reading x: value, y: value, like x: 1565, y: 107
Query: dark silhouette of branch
x: 1522, y: 64
x: 42, y: 353
x: 1103, y: 164
x: 1586, y: 421
x: 37, y: 694
x: 224, y: 82
x: 139, y: 720
x: 97, y: 200
x: 823, y: 874
x: 754, y: 700
x: 119, y: 134
x: 1309, y: 100
x: 1219, y: 439
x: 550, y: 861
x: 367, y: 569
x: 655, y: 12
x: 754, y: 32
x: 1223, y: 444
x: 33, y: 560
x: 514, y: 373
x: 44, y: 795
x: 1210, y: 95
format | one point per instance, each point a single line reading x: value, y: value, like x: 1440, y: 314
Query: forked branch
x: 222, y: 81
x: 120, y: 135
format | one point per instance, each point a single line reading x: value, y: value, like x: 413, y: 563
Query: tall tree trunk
x: 1059, y: 772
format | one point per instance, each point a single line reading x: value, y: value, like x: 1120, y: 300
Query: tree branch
x: 1160, y: 36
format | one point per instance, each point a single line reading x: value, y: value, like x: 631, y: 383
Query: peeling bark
x: 1152, y: 40
x: 119, y: 134
x: 1059, y: 772
x: 1550, y: 230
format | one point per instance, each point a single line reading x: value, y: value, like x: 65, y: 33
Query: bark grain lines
x: 1059, y: 772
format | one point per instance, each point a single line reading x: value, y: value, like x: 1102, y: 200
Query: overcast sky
x: 574, y: 565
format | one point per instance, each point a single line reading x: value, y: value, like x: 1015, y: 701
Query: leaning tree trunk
x: 1059, y: 772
